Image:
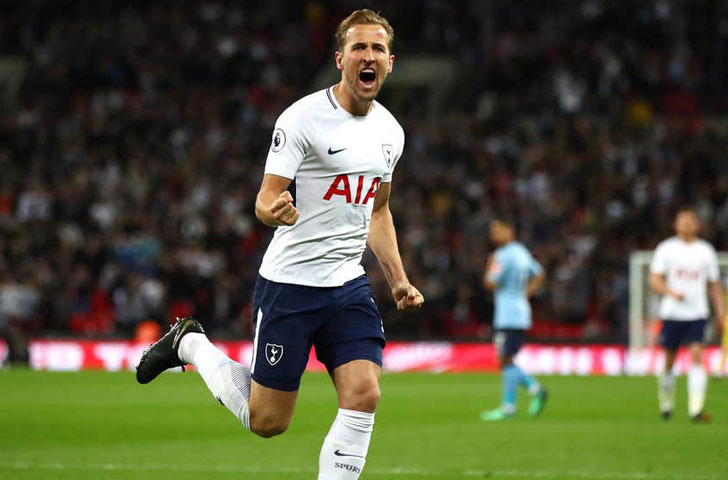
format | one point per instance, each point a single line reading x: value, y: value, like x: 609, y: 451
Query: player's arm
x: 534, y: 284
x: 715, y: 290
x: 658, y: 285
x: 274, y: 203
x: 383, y: 242
x: 490, y: 277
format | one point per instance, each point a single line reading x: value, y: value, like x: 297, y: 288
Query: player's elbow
x: 655, y: 283
x: 259, y: 210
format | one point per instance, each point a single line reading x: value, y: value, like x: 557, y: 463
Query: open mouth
x: 367, y: 76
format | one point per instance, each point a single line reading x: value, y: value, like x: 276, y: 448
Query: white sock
x: 229, y: 381
x: 697, y: 386
x: 344, y: 451
x: 666, y: 391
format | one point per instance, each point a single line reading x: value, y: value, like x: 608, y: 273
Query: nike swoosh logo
x: 338, y: 453
x: 334, y: 152
x: 180, y: 332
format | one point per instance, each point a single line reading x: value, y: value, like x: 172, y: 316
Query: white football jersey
x: 687, y: 267
x: 337, y: 162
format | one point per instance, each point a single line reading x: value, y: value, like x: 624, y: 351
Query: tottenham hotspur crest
x: 388, y: 152
x: 273, y: 353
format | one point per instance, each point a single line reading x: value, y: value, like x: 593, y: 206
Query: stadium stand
x: 133, y: 136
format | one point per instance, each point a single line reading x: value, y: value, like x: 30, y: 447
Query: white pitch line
x: 369, y: 471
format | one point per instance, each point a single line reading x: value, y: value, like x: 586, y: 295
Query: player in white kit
x: 684, y: 270
x: 326, y: 190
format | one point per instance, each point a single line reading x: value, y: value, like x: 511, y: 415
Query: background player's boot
x: 666, y: 414
x: 495, y: 415
x: 538, y: 401
x: 702, y: 417
x: 163, y: 354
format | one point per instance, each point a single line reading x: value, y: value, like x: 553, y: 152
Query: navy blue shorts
x: 343, y: 323
x: 508, y: 341
x: 674, y: 332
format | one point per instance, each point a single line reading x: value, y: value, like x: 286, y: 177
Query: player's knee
x: 670, y: 356
x: 266, y: 425
x: 363, y: 398
x: 696, y: 352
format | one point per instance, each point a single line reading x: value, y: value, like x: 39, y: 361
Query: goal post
x: 643, y: 302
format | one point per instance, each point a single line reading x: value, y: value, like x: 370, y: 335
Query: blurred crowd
x: 133, y: 149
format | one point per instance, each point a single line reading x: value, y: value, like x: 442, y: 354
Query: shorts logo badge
x: 388, y: 151
x: 273, y: 353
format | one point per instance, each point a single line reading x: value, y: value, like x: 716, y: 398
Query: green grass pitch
x: 97, y: 425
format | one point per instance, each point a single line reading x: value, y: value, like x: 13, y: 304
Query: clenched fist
x: 283, y: 210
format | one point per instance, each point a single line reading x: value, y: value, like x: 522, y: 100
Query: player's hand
x: 406, y: 296
x: 283, y: 210
x: 679, y: 296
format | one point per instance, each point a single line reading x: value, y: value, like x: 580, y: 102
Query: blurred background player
x: 514, y: 275
x: 682, y: 268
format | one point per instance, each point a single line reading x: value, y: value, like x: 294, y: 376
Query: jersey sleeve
x: 534, y: 268
x: 497, y: 269
x: 713, y: 269
x: 659, y: 261
x: 289, y: 145
x: 397, y: 153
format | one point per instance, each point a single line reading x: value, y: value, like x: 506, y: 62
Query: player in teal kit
x: 513, y: 275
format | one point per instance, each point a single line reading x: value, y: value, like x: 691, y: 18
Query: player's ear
x: 338, y: 56
x: 391, y: 64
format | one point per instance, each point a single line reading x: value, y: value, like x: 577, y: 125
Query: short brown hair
x: 362, y: 17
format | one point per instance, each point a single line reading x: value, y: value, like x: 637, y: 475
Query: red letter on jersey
x: 372, y: 193
x: 345, y: 191
x: 358, y: 188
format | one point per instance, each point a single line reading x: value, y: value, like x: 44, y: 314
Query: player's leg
x: 262, y: 399
x: 697, y: 376
x: 666, y: 384
x: 509, y: 382
x: 186, y: 343
x: 670, y: 336
x: 264, y: 411
x: 350, y: 344
x: 271, y: 410
x: 508, y: 343
x: 344, y: 451
x: 510, y: 378
x: 228, y: 381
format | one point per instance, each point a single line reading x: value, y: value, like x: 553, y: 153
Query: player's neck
x: 348, y: 101
x: 688, y: 238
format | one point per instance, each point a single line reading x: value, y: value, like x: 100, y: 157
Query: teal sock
x: 527, y: 381
x: 510, y: 388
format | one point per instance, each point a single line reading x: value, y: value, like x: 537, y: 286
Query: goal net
x: 643, y: 302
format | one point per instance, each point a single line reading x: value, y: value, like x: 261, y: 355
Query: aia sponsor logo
x: 342, y: 186
x: 687, y: 274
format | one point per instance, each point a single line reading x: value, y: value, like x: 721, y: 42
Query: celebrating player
x: 682, y: 267
x: 326, y: 188
x: 514, y: 275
